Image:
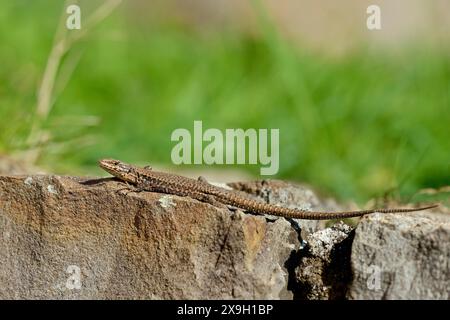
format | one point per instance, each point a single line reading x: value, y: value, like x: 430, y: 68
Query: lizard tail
x: 317, y: 215
x: 260, y: 207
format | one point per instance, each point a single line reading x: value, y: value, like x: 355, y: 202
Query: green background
x: 356, y: 126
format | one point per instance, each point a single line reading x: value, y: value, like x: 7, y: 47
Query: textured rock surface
x: 68, y: 238
x: 402, y: 257
x: 324, y: 271
x: 144, y: 245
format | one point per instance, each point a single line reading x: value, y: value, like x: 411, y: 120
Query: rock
x: 402, y: 256
x: 66, y: 238
x: 323, y: 270
x: 73, y: 238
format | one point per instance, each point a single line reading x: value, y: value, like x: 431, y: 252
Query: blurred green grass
x: 356, y: 127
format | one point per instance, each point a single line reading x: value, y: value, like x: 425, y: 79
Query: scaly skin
x: 145, y: 179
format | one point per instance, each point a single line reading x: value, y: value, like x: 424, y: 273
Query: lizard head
x: 118, y: 169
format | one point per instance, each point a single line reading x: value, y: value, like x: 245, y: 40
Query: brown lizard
x: 145, y: 179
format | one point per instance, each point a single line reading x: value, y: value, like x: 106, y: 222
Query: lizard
x: 146, y: 179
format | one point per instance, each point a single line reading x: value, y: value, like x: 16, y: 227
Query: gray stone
x: 402, y: 256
